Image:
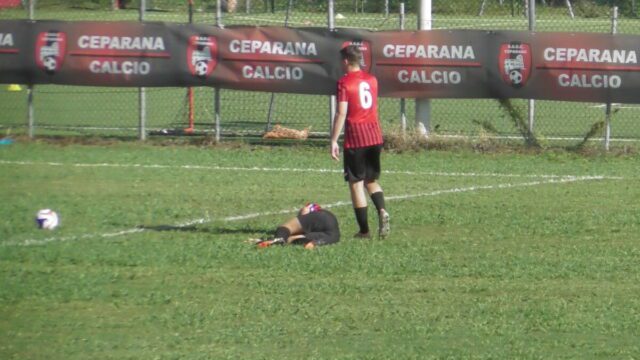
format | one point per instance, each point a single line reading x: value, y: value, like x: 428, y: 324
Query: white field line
x: 269, y: 169
x: 207, y: 219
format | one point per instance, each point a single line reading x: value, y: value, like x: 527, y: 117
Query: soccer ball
x: 516, y: 77
x: 50, y: 63
x: 47, y: 219
x: 202, y: 68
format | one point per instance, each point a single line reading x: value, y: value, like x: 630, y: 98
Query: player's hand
x: 335, y: 151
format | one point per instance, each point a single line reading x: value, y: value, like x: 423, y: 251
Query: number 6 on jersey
x: 366, y: 99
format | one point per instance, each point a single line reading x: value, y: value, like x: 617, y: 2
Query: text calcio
x: 576, y: 57
x: 121, y: 44
x: 272, y: 50
x: 412, y: 52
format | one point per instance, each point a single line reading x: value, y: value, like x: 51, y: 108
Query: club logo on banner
x: 515, y: 63
x: 202, y: 54
x: 364, y: 46
x: 50, y: 50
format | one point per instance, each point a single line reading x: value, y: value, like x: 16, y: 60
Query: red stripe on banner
x: 117, y: 53
x: 429, y: 63
x: 268, y: 59
x: 594, y: 67
x: 9, y: 51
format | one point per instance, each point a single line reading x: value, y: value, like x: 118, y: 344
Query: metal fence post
x: 532, y: 27
x: 331, y: 22
x: 607, y: 128
x: 30, y: 117
x: 216, y: 110
x: 219, y: 14
x: 30, y: 88
x: 273, y: 95
x: 190, y: 111
x: 142, y: 94
x: 423, y: 106
x: 216, y: 90
x: 403, y: 101
x: 570, y: 8
x: 482, y: 5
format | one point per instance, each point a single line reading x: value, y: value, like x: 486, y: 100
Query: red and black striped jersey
x: 362, y: 128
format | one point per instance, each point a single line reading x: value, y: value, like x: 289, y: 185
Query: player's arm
x: 338, y: 123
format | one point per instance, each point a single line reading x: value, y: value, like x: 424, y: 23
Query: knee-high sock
x: 378, y: 200
x: 361, y: 217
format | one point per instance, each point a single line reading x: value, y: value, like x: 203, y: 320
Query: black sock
x: 282, y: 232
x: 378, y: 200
x: 361, y: 217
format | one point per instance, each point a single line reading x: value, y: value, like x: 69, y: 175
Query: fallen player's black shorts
x: 321, y: 227
x: 362, y: 163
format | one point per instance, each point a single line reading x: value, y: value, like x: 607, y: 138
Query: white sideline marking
x: 207, y: 219
x: 235, y: 168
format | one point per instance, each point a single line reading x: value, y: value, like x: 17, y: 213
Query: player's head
x: 309, y: 208
x: 352, y: 55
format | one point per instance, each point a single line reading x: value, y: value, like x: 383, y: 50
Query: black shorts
x: 321, y: 227
x: 362, y: 163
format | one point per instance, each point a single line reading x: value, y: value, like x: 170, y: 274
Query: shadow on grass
x: 208, y: 230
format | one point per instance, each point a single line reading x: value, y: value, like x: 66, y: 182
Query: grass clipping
x: 281, y: 132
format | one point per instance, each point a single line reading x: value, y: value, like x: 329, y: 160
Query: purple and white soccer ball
x: 47, y: 219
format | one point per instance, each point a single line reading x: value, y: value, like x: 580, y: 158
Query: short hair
x: 352, y: 54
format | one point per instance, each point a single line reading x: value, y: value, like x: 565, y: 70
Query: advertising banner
x: 411, y: 64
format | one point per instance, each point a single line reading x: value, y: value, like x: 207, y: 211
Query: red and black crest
x: 202, y: 55
x: 514, y: 63
x: 365, y: 47
x: 50, y: 50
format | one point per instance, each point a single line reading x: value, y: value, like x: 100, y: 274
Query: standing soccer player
x: 358, y: 108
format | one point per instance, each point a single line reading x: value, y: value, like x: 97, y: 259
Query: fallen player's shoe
x: 268, y: 242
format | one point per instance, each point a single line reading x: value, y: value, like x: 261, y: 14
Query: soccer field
x: 491, y: 256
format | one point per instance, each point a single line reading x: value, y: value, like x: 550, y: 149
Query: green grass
x: 540, y: 271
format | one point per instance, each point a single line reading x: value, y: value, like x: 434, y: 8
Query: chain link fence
x: 92, y: 110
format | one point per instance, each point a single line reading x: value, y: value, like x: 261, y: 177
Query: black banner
x: 411, y: 64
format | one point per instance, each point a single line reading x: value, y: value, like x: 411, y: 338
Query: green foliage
x: 79, y: 4
x: 590, y: 9
x: 596, y: 129
x: 516, y: 114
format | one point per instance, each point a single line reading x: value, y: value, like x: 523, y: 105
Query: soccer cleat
x: 384, y: 226
x: 269, y: 242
